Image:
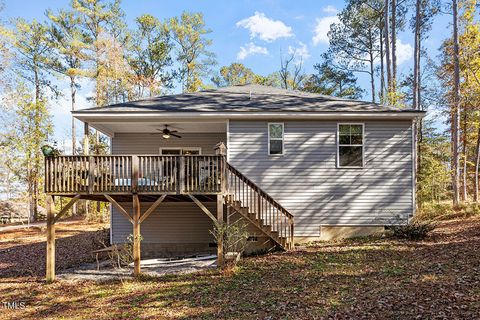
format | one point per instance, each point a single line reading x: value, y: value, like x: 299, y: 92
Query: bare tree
x: 291, y: 72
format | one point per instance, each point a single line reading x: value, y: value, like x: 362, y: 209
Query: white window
x: 275, y: 139
x: 350, y: 141
x: 180, y: 151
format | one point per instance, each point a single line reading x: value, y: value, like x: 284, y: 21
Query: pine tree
x: 330, y: 80
x: 70, y: 43
x: 150, y: 57
x: 354, y: 41
x: 34, y: 60
x: 189, y: 34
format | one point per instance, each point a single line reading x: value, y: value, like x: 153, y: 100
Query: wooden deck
x: 158, y: 178
x: 93, y: 176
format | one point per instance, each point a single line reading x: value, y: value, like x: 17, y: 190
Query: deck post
x: 136, y: 235
x: 86, y: 152
x: 50, y: 254
x: 220, y: 261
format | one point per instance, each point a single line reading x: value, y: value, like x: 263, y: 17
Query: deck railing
x: 131, y: 173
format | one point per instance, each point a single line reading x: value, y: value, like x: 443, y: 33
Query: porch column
x: 136, y: 235
x: 50, y: 254
x: 86, y: 141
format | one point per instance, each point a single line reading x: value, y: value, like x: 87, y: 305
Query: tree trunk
x: 73, y: 92
x: 416, y: 59
x: 382, y: 69
x: 394, y: 46
x: 464, y: 156
x: 386, y: 33
x: 477, y: 165
x: 455, y: 110
x: 36, y: 148
x: 372, y: 76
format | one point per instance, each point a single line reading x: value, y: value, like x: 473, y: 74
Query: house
x: 296, y: 166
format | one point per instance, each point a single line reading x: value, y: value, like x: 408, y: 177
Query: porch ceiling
x: 110, y: 128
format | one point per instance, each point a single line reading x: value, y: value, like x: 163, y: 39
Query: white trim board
x: 153, y: 116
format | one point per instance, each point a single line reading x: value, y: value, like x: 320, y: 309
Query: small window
x: 275, y: 138
x: 350, y: 146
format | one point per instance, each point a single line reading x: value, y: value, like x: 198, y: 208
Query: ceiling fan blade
x: 175, y: 135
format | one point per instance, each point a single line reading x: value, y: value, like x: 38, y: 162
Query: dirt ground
x: 22, y: 252
x: 368, y: 278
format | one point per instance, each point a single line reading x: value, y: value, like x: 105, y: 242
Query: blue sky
x: 253, y: 32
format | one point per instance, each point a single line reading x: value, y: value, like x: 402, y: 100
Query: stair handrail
x: 274, y: 203
x: 255, y: 186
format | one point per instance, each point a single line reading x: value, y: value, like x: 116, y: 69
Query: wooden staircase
x: 259, y: 208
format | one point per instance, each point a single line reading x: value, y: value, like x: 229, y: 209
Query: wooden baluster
x: 150, y: 174
x: 55, y: 174
x: 173, y: 172
x: 187, y: 176
x: 134, y: 174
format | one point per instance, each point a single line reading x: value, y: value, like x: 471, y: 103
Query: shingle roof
x: 246, y: 98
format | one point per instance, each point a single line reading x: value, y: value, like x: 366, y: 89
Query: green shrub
x: 415, y: 230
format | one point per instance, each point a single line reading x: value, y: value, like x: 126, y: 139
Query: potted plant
x: 50, y: 151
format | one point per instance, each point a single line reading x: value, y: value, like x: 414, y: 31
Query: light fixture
x: 166, y: 136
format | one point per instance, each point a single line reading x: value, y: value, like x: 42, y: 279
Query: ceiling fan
x: 167, y: 133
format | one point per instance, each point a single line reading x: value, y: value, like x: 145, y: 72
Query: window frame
x: 282, y: 139
x: 180, y: 149
x: 351, y: 145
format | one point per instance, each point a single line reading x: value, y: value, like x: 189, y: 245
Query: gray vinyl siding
x: 171, y: 222
x: 146, y: 143
x: 307, y: 182
x: 181, y: 222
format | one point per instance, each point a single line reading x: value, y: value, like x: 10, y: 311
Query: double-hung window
x: 275, y: 138
x: 350, y: 141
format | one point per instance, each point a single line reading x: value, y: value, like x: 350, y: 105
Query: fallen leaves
x: 434, y: 278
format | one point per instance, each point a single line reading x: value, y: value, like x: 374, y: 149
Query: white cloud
x: 250, y: 49
x: 301, y: 52
x: 404, y: 52
x: 330, y: 9
x: 265, y: 28
x: 320, y: 33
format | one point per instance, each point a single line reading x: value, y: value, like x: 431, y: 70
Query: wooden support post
x: 86, y: 152
x: 220, y: 256
x: 50, y: 255
x: 136, y: 235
